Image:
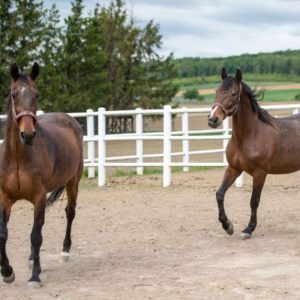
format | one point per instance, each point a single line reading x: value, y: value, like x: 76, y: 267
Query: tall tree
x: 136, y: 74
x: 50, y: 56
x: 5, y: 27
x: 101, y: 60
x: 27, y: 32
x: 93, y: 68
x: 155, y: 87
x: 72, y: 58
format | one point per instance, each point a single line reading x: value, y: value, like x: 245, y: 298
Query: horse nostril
x: 213, y: 122
x: 27, y: 138
x: 213, y: 119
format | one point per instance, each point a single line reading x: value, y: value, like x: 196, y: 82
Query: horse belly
x: 66, y: 165
x: 284, y: 167
x: 286, y: 148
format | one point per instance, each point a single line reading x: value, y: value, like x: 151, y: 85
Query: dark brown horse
x: 260, y: 144
x: 39, y: 155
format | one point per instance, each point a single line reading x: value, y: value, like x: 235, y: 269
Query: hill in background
x: 281, y: 65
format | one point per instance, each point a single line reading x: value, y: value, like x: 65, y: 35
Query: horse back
x: 60, y: 122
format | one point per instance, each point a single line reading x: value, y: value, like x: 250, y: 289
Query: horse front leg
x: 8, y: 275
x: 229, y: 177
x: 37, y: 239
x: 258, y: 184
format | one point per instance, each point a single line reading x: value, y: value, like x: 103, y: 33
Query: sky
x: 213, y: 28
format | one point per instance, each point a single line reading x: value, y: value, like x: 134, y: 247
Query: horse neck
x: 12, y: 142
x: 245, y: 120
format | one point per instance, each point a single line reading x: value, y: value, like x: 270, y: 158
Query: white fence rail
x: 101, y: 161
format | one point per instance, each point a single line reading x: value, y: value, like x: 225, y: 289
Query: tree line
x: 104, y: 59
x: 280, y: 62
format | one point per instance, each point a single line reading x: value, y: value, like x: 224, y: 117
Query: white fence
x: 101, y: 161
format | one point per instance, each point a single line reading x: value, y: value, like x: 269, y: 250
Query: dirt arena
x: 134, y: 239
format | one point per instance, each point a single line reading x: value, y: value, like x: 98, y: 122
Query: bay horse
x: 260, y: 144
x: 40, y: 154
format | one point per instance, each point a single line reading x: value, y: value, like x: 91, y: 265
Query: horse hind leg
x: 7, y: 272
x: 72, y: 192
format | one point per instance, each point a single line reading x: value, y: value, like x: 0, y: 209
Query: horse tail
x: 55, y: 195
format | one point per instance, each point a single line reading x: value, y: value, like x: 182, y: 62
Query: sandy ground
x: 134, y: 239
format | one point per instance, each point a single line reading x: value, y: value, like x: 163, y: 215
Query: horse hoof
x: 10, y: 278
x: 245, y: 236
x: 34, y: 284
x: 230, y: 229
x: 65, y: 257
x: 30, y: 264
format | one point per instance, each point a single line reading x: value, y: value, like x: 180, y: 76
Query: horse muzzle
x: 27, y: 138
x: 27, y: 129
x: 214, y: 122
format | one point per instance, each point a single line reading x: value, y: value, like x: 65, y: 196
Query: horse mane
x: 255, y: 96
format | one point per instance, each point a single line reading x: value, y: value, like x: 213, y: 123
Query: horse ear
x: 223, y: 73
x: 35, y: 71
x: 238, y: 75
x: 14, y: 71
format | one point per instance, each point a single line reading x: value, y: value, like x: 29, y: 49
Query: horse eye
x: 14, y: 94
x: 233, y: 93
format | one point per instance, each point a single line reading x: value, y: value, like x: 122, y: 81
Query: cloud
x: 210, y: 28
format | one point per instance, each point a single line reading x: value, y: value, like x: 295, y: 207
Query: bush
x: 297, y: 97
x: 192, y: 94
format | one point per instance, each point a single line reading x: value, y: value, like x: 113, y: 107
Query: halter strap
x: 22, y: 114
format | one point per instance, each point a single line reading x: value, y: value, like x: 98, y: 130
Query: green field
x: 279, y: 95
x: 210, y: 81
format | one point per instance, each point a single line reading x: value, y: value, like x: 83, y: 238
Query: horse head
x: 227, y: 98
x: 23, y: 97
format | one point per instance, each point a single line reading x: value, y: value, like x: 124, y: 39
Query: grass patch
x: 159, y: 171
x: 269, y: 96
x: 88, y: 183
x: 250, y: 78
x: 121, y: 173
x: 280, y: 95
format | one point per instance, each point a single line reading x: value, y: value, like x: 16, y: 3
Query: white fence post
x: 39, y: 112
x: 101, y: 146
x: 185, y: 142
x: 90, y: 144
x: 139, y: 141
x: 295, y: 111
x: 239, y: 182
x: 167, y: 146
